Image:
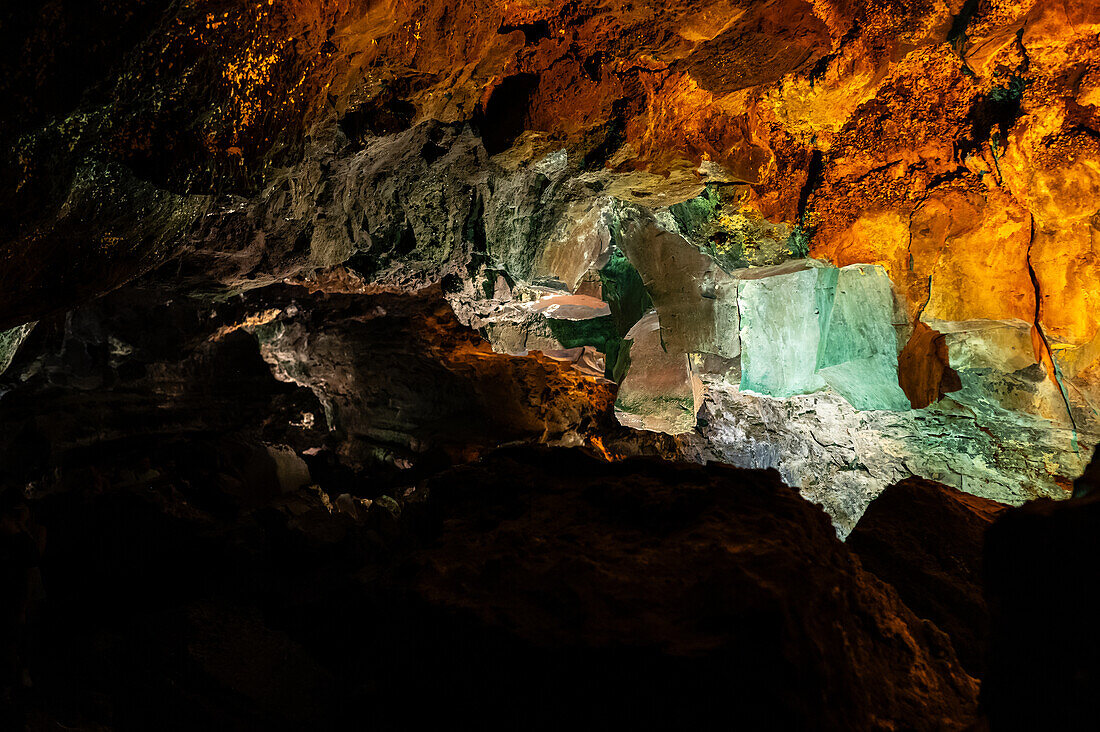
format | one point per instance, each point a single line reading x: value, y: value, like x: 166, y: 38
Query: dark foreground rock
x: 654, y: 591
x: 1043, y: 586
x: 531, y: 589
x: 381, y: 381
x: 926, y: 539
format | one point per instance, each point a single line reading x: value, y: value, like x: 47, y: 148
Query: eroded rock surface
x: 715, y: 582
x: 927, y: 540
x: 402, y: 372
x: 1042, y: 672
x: 842, y: 458
x: 272, y: 245
x: 383, y: 380
x: 659, y: 391
x: 508, y: 149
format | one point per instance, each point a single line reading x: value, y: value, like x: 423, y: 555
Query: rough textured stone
x: 399, y: 375
x: 858, y: 356
x: 659, y: 392
x: 168, y: 157
x: 10, y: 340
x: 926, y: 540
x: 1043, y: 672
x: 924, y: 368
x: 743, y: 592
x: 690, y: 291
x: 841, y: 458
x: 486, y: 148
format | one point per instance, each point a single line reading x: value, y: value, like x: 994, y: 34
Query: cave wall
x: 280, y: 279
x: 514, y: 152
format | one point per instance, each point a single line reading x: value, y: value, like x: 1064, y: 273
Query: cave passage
x: 549, y: 365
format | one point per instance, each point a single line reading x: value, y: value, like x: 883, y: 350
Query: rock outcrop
x: 653, y: 590
x: 373, y: 381
x: 252, y: 248
x: 1043, y: 671
x: 545, y: 584
x: 511, y: 151
x: 927, y: 540
x: 400, y: 374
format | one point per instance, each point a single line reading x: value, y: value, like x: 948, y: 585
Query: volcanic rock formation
x: 943, y: 156
x: 544, y: 585
x: 281, y: 261
x: 927, y: 540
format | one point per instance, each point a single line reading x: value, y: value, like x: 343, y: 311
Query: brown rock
x: 399, y: 373
x: 691, y: 292
x: 926, y: 540
x: 924, y: 372
x: 659, y: 392
x: 658, y: 589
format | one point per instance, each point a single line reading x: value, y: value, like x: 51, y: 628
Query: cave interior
x: 539, y: 364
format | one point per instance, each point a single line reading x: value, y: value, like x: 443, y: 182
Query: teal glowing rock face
x: 782, y: 318
x: 868, y: 383
x: 858, y: 354
x: 817, y: 327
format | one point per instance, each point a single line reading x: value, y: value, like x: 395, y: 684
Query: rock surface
x: 375, y: 381
x: 659, y: 391
x: 399, y: 374
x: 1043, y: 671
x: 547, y: 583
x: 711, y: 581
x: 250, y: 248
x: 501, y: 149
x: 841, y: 458
x: 927, y: 540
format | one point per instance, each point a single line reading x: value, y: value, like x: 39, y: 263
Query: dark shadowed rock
x: 664, y: 593
x: 926, y: 539
x: 398, y: 375
x: 534, y: 588
x: 924, y: 371
x: 1042, y: 586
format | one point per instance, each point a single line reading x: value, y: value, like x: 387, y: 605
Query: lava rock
x: 1043, y: 671
x: 643, y: 591
x: 926, y: 539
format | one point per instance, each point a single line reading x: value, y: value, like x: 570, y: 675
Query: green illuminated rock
x: 1001, y: 373
x: 805, y: 326
x: 722, y: 224
x: 868, y: 383
x: 600, y: 333
x: 10, y: 340
x: 858, y: 353
x: 623, y: 291
x: 783, y: 310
